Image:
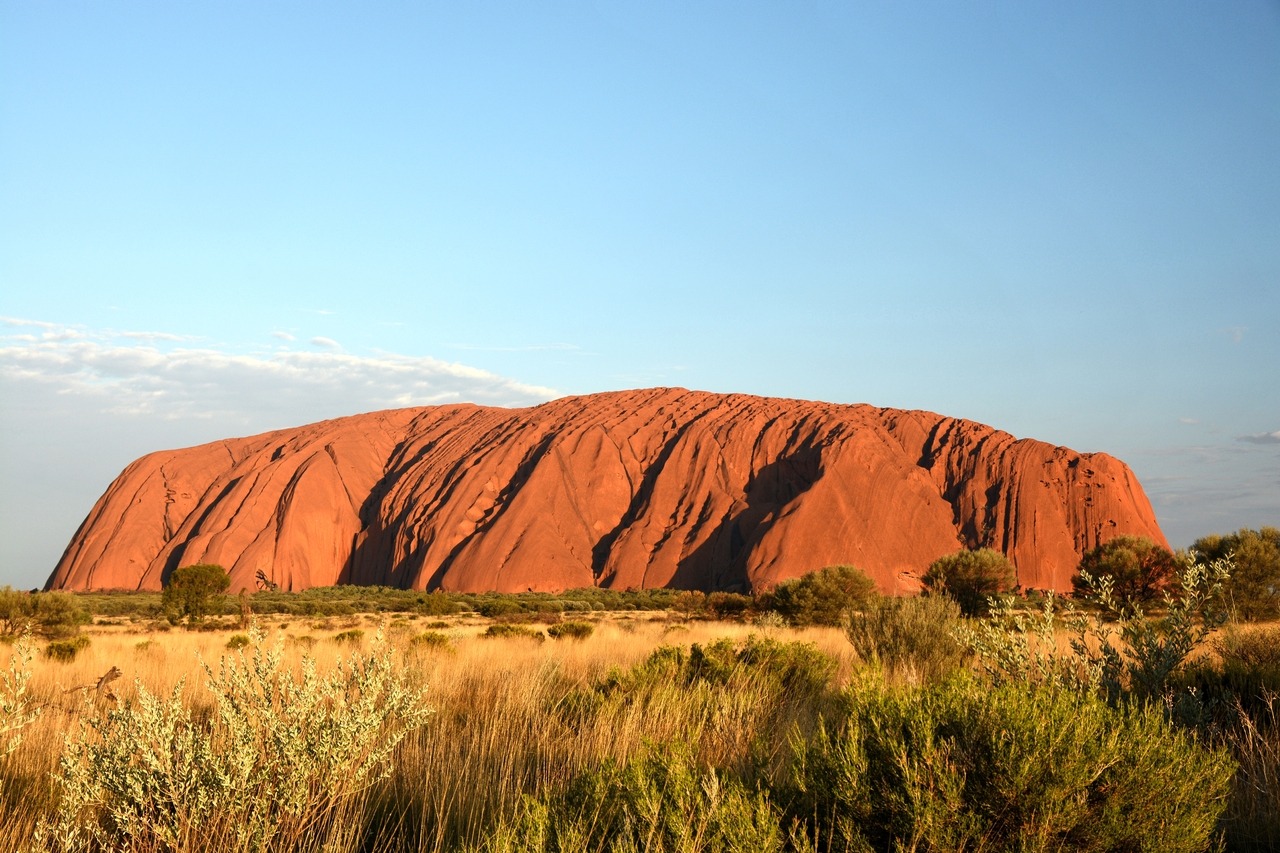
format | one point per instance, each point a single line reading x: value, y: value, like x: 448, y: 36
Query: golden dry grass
x: 495, y: 737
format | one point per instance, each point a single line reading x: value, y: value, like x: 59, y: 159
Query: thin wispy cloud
x: 325, y: 343
x: 1262, y: 438
x: 132, y: 376
x: 526, y: 348
x: 284, y: 336
x: 31, y: 324
x: 156, y: 337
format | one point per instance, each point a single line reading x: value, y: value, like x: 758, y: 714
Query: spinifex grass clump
x: 661, y: 802
x: 961, y: 766
x: 265, y: 769
x: 518, y: 631
x: 912, y: 637
x: 570, y: 630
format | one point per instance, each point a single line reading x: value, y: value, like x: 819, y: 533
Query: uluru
x: 650, y: 488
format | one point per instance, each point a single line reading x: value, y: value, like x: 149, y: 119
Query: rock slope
x: 650, y: 488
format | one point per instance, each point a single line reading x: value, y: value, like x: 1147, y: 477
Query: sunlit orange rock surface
x: 652, y: 488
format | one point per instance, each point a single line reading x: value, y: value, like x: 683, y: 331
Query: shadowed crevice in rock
x: 603, y: 548
x: 721, y: 562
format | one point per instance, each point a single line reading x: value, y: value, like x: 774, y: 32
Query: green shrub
x: 729, y: 605
x: 266, y: 768
x: 1253, y: 591
x: 1139, y: 570
x: 435, y: 604
x: 662, y: 802
x: 510, y: 630
x: 353, y: 636
x: 58, y: 615
x: 962, y: 766
x: 237, y: 641
x: 571, y: 630
x: 972, y: 578
x: 822, y: 597
x: 799, y: 669
x: 910, y: 636
x: 501, y: 607
x: 66, y: 650
x: 430, y: 639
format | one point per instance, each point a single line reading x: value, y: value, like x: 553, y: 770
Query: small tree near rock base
x: 192, y: 591
x: 1253, y: 591
x: 971, y: 578
x: 1140, y: 570
x: 822, y: 597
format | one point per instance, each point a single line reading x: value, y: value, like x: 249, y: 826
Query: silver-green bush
x: 279, y: 751
x: 17, y: 708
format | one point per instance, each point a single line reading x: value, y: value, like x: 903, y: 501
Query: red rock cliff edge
x: 652, y: 488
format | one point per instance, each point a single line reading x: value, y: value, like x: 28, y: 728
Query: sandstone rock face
x: 651, y: 488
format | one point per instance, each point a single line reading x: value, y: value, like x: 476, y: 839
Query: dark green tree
x: 971, y: 578
x: 822, y: 597
x: 1140, y: 569
x: 1253, y: 591
x: 192, y: 591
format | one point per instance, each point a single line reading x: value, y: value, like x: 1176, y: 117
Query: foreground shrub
x: 737, y: 703
x: 1252, y: 820
x: 571, y: 630
x: 661, y: 803
x: 1116, y: 652
x: 910, y: 636
x: 66, y: 651
x: 278, y: 753
x: 972, y: 578
x: 964, y: 767
x: 17, y: 708
x: 822, y: 597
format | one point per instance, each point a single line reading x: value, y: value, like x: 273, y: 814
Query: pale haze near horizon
x: 1061, y: 220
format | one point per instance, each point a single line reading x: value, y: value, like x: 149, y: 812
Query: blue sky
x: 1059, y: 219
